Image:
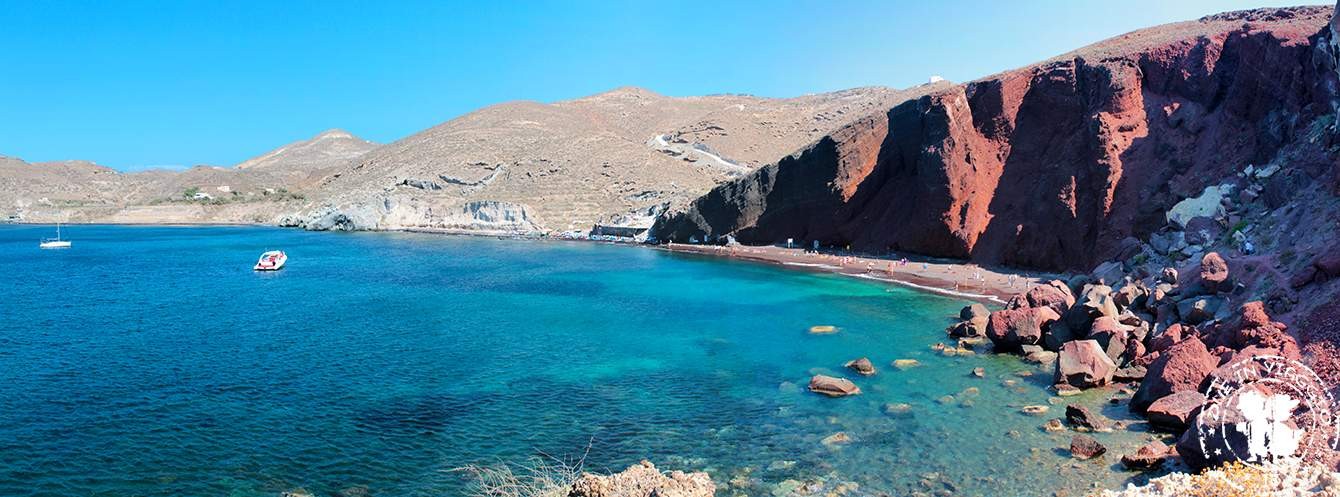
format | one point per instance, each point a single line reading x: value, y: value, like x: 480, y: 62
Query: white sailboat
x: 54, y: 243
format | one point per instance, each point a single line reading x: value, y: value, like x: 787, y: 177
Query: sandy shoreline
x: 945, y: 277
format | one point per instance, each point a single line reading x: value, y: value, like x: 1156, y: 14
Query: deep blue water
x: 153, y: 361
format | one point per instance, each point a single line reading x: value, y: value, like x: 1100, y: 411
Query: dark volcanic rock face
x: 1049, y: 166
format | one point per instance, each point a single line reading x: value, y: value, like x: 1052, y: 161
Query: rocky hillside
x: 1069, y: 162
x: 258, y: 190
x: 622, y: 155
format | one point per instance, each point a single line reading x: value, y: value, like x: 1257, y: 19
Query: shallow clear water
x: 153, y: 361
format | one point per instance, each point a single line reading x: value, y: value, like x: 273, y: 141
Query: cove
x: 154, y: 361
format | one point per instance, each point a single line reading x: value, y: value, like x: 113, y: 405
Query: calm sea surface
x: 153, y: 361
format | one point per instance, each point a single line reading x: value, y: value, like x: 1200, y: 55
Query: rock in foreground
x: 643, y: 480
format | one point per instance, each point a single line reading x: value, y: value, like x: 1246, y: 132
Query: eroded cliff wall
x: 1058, y: 165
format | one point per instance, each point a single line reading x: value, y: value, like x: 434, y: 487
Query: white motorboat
x: 271, y: 261
x: 54, y: 243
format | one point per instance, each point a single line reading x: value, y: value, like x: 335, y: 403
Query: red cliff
x: 1059, y: 165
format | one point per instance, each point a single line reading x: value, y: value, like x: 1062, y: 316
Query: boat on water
x: 54, y: 243
x: 271, y: 261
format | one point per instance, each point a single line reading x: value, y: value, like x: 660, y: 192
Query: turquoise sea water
x: 153, y: 361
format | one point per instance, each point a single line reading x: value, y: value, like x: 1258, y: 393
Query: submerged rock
x: 905, y: 364
x: 1086, y: 447
x: 823, y: 329
x: 839, y: 438
x: 1035, y: 410
x: 1081, y: 417
x: 897, y: 409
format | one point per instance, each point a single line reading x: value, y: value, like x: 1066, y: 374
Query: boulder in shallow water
x: 1011, y: 329
x: 643, y: 480
x: 1086, y: 447
x: 974, y: 311
x: 1148, y: 457
x: 971, y: 328
x: 1175, y: 412
x: 1084, y: 364
x: 1082, y: 418
x: 861, y: 366
x: 832, y: 386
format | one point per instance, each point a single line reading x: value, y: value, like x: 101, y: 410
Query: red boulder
x: 1010, y: 329
x: 1086, y: 447
x: 1084, y: 364
x: 1181, y: 368
x: 1167, y: 339
x: 1148, y: 457
x: 1176, y: 411
x: 1213, y: 273
x: 1055, y: 294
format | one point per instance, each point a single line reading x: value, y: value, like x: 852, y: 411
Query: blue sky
x: 142, y: 84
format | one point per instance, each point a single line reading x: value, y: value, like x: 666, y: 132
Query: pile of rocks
x: 1167, y: 333
x: 643, y: 480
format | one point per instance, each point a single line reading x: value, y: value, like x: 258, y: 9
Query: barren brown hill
x: 256, y: 191
x: 622, y: 154
x: 306, y: 162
